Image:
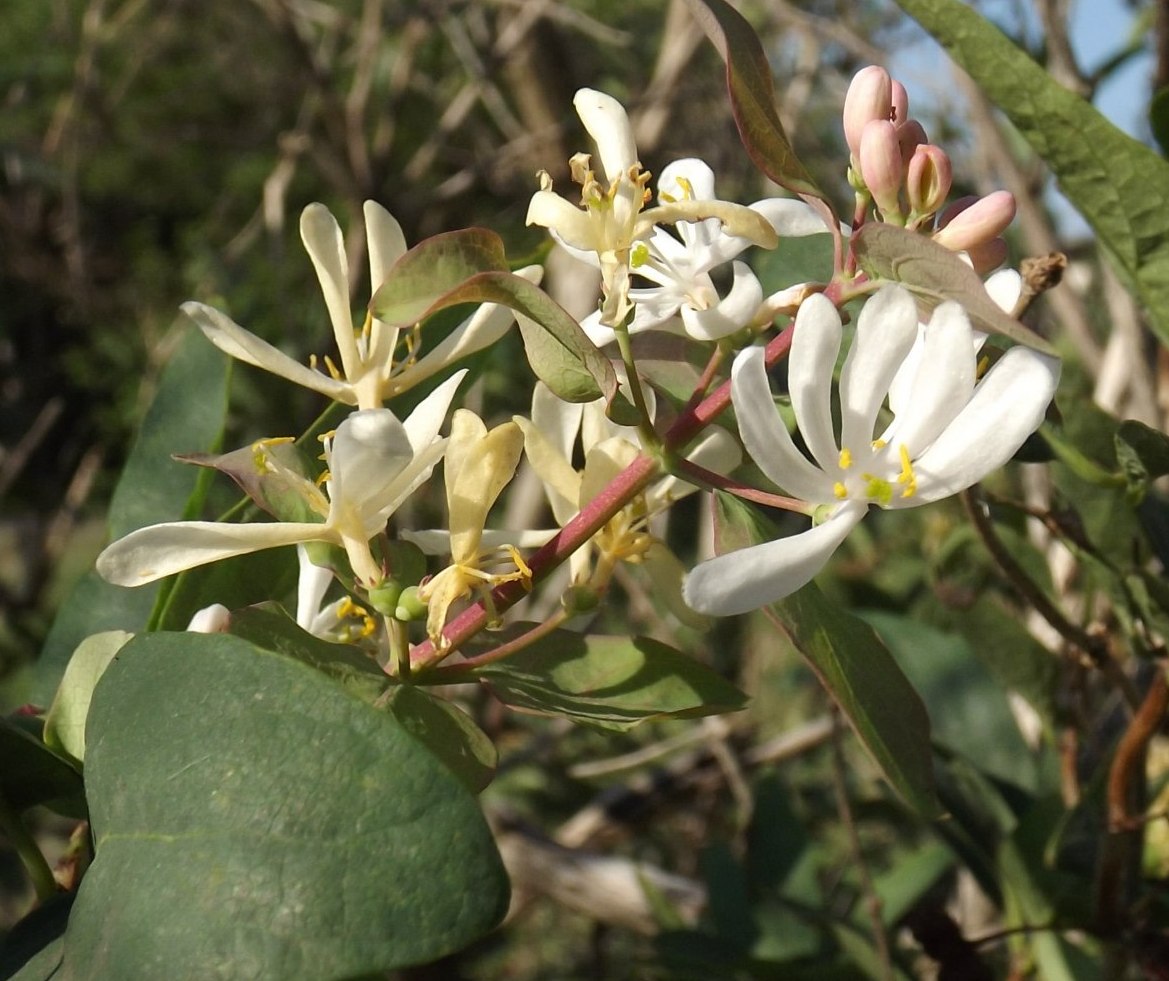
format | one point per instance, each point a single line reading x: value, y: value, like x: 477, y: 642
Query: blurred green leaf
x: 609, y: 682
x: 1118, y: 184
x: 752, y: 92
x: 1159, y: 119
x: 853, y: 666
x: 268, y: 627
x: 1143, y: 455
x: 934, y: 274
x: 253, y: 819
x: 448, y: 732
x: 187, y: 415
x: 33, y: 773
x: 65, y: 722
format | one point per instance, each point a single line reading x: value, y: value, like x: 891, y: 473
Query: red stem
x: 620, y: 491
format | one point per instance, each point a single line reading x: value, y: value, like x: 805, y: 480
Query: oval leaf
x: 934, y: 274
x: 853, y: 665
x: 252, y: 819
x: 609, y: 682
x: 65, y: 723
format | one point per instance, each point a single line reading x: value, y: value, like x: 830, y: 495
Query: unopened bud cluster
x: 893, y: 165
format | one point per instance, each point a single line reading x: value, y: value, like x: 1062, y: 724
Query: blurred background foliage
x: 155, y: 151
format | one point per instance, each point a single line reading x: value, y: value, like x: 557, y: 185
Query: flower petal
x: 791, y: 218
x: 368, y: 451
x: 815, y: 348
x: 733, y: 312
x: 608, y: 124
x: 243, y: 345
x: 753, y: 577
x: 387, y: 244
x: 1005, y: 287
x: 575, y: 227
x: 326, y: 248
x: 158, y: 551
x: 311, y: 585
x: 1007, y: 406
x: 943, y: 384
x: 423, y: 424
x: 885, y: 332
x: 766, y: 438
x: 561, y: 482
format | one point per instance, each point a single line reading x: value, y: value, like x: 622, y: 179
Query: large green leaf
x: 448, y: 732
x: 253, y: 819
x: 609, y: 682
x: 752, y: 92
x: 470, y: 266
x: 853, y: 665
x: 187, y: 415
x: 1119, y: 185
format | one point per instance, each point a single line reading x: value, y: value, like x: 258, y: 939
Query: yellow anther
x: 312, y: 361
x: 840, y: 491
x: 332, y: 368
x: 324, y: 478
x: 879, y: 444
x: 367, y: 327
x: 983, y: 364
x: 523, y: 567
x: 687, y: 187
x: 639, y: 255
x: 845, y: 458
x: 907, y: 476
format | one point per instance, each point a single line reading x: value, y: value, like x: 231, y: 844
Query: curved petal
x: 243, y: 345
x: 416, y: 473
x: 1005, y: 287
x: 696, y: 173
x: 367, y: 452
x: 1007, y: 406
x: 766, y: 438
x: 815, y: 348
x: 753, y: 577
x: 158, y: 551
x: 387, y: 244
x: 944, y: 381
x: 558, y: 421
x: 731, y: 313
x: 326, y: 248
x: 311, y: 585
x: 885, y: 332
x: 608, y: 124
x: 561, y: 482
x: 791, y: 218
x: 574, y: 227
x: 423, y: 424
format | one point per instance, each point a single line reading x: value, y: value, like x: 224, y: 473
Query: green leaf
x: 934, y: 274
x: 449, y: 733
x: 270, y: 628
x: 32, y: 773
x: 609, y: 682
x: 275, y: 476
x: 65, y: 722
x: 187, y: 414
x: 1143, y: 455
x: 469, y: 266
x: 253, y: 819
x: 1159, y: 118
x: 1118, y: 184
x: 853, y: 666
x: 752, y: 92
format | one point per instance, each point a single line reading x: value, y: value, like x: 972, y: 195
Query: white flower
x: 681, y: 265
x: 550, y: 439
x: 949, y: 430
x: 374, y: 463
x: 372, y: 368
x: 612, y: 218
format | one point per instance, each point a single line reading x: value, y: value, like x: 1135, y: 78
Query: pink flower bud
x: 928, y: 179
x: 988, y: 256
x: 900, y: 101
x: 910, y: 136
x: 966, y: 225
x: 870, y: 96
x: 880, y: 164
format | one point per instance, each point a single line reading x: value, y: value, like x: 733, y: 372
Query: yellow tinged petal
x: 553, y: 469
x: 479, y: 468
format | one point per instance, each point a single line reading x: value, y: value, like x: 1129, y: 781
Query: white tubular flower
x: 949, y: 430
x: 611, y: 218
x: 550, y: 438
x: 372, y: 368
x: 374, y: 463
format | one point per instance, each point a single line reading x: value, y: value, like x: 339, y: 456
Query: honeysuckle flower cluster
x: 920, y: 418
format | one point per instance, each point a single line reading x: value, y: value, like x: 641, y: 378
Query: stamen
x: 336, y: 374
x: 638, y: 255
x: 840, y: 491
x: 983, y: 364
x: 879, y: 444
x: 878, y: 489
x: 907, y: 476
x: 845, y: 458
